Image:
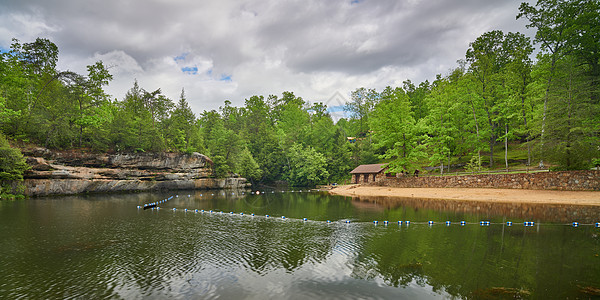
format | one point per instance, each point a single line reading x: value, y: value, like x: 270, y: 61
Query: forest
x: 540, y: 96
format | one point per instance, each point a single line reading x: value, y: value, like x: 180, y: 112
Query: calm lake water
x: 104, y: 246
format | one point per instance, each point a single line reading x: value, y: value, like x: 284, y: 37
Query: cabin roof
x: 369, y: 169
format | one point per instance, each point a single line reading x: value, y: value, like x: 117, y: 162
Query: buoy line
x: 156, y: 203
x: 483, y: 223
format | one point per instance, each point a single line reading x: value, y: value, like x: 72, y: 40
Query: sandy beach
x: 588, y: 198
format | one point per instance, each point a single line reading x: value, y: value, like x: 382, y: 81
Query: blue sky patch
x: 225, y: 78
x: 190, y: 70
x: 336, y: 108
x: 180, y: 57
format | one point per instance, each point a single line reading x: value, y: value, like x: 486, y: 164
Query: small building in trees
x: 368, y: 173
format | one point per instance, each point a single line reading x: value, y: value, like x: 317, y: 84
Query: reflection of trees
x: 475, y: 261
x: 529, y: 211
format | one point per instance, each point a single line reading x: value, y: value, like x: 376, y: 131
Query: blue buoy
x: 484, y: 223
x: 196, y: 210
x: 174, y: 208
x: 575, y: 224
x: 375, y: 222
x: 231, y: 212
x: 266, y: 216
x: 430, y: 223
x: 283, y: 217
x: 509, y: 223
x: 347, y: 221
x: 385, y: 222
x: 139, y: 206
x: 448, y: 223
x: 597, y: 225
x: 407, y: 223
x: 463, y: 223
x: 304, y: 219
x: 186, y: 209
x: 399, y: 222
x: 529, y: 224
x: 202, y: 210
x: 328, y: 221
x: 253, y: 214
x: 189, y: 196
x: 241, y: 214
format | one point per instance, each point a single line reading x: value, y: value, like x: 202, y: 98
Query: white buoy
x: 509, y: 223
x: 462, y: 223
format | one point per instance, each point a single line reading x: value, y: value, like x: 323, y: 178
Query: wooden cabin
x: 368, y: 173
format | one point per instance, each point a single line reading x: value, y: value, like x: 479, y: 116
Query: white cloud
x: 233, y: 50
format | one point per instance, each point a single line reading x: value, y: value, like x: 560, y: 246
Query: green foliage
x: 497, y: 95
x: 12, y: 166
x: 307, y: 166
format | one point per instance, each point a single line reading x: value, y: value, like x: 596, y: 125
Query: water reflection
x: 556, y: 213
x: 104, y: 247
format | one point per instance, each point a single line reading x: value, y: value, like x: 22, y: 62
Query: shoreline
x: 515, y: 196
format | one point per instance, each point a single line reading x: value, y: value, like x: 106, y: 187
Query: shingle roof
x: 368, y: 169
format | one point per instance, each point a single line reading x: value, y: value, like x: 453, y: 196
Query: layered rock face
x: 65, y: 173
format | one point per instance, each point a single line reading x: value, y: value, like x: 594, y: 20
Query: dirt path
x: 591, y: 198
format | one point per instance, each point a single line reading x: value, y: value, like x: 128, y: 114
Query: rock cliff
x: 69, y: 172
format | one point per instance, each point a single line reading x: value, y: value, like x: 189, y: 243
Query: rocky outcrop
x: 71, y: 172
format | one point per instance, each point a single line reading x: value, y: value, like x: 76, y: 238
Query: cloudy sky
x: 225, y: 49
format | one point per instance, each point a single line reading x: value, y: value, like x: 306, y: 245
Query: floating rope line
x: 431, y: 223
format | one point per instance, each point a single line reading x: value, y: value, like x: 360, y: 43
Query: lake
x: 108, y: 246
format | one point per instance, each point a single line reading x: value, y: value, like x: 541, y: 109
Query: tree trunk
x: 506, y: 145
x: 477, y: 131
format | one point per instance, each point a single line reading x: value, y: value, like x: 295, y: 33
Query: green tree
x: 12, y: 166
x: 394, y: 130
x: 308, y: 167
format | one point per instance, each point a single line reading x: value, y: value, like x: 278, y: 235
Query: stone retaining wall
x: 564, y: 180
